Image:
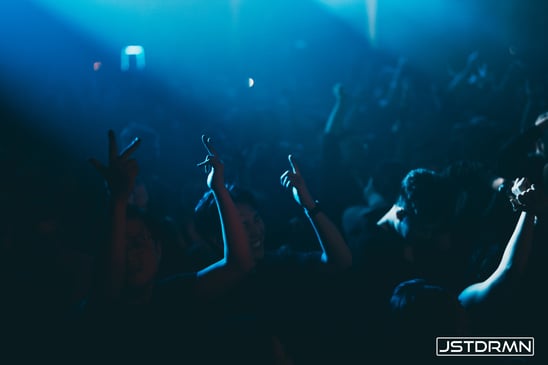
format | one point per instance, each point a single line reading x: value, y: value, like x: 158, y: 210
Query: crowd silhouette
x: 416, y: 210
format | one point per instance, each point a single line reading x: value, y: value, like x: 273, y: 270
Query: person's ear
x: 401, y: 213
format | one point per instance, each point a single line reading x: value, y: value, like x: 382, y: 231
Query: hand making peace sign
x: 122, y: 170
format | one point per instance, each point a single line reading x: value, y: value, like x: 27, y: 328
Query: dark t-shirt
x: 294, y: 296
x: 163, y: 328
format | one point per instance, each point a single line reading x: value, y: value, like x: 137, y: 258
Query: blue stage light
x: 135, y: 51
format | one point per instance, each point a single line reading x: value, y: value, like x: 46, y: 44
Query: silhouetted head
x: 419, y: 307
x: 426, y: 205
x: 424, y: 218
x: 208, y: 225
x: 420, y: 312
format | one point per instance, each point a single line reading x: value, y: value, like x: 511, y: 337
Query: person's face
x: 142, y: 255
x: 421, y: 232
x: 432, y: 245
x: 254, y: 226
x: 421, y: 229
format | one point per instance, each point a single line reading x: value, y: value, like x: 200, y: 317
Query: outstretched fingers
x: 128, y: 151
x: 294, y: 166
x: 112, y: 147
x: 98, y: 166
x: 285, y: 179
x: 121, y: 170
x: 208, y: 146
x: 520, y: 185
x: 211, y: 159
x: 206, y: 162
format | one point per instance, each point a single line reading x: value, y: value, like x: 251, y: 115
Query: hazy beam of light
x: 372, y: 19
x: 359, y: 14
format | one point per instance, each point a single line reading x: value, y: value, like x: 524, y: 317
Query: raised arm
x: 516, y: 255
x: 238, y: 260
x: 334, y: 125
x: 119, y: 175
x: 335, y: 250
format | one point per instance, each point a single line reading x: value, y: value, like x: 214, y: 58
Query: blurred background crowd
x: 360, y: 92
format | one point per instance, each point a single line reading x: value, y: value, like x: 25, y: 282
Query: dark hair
x: 420, y: 312
x: 416, y: 302
x: 427, y: 194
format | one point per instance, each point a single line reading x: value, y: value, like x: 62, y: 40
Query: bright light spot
x: 134, y: 50
x: 96, y: 66
x: 250, y: 82
x: 132, y: 56
x: 360, y: 14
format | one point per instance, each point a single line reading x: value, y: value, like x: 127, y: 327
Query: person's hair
x: 427, y: 194
x: 420, y: 312
x: 206, y: 214
x: 420, y: 307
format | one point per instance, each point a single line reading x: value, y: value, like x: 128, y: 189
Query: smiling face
x: 254, y: 226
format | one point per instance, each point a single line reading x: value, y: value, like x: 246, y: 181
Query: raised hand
x: 335, y: 252
x: 527, y: 197
x: 213, y: 166
x: 472, y: 59
x: 292, y: 179
x: 122, y: 170
x: 339, y: 92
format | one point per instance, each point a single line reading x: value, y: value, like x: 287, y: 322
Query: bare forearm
x: 336, y: 117
x: 113, y: 272
x: 219, y: 277
x: 516, y: 254
x: 236, y: 245
x: 511, y: 267
x: 334, y: 247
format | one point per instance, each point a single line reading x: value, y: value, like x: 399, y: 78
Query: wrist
x: 313, y: 209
